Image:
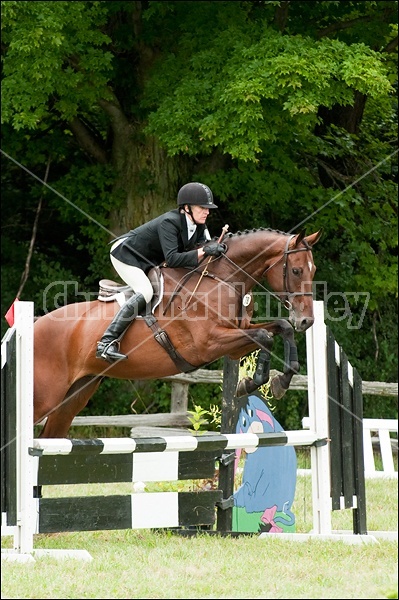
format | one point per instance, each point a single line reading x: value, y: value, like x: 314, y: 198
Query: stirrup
x: 109, y: 351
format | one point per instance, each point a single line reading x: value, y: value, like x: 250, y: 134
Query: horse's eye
x: 250, y: 412
x: 296, y: 271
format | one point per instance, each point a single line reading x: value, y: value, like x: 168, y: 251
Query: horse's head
x: 291, y: 274
x: 284, y: 261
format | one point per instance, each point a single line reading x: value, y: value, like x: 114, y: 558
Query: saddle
x: 111, y: 291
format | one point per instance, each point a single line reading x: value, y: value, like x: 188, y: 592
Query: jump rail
x: 186, y: 443
x: 387, y: 445
x: 376, y: 435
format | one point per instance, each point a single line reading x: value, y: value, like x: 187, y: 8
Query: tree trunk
x: 147, y: 179
x: 348, y: 116
x: 339, y: 172
x: 147, y: 182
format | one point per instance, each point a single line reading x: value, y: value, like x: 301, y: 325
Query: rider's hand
x: 214, y: 249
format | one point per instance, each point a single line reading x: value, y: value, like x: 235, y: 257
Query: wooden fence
x: 178, y: 416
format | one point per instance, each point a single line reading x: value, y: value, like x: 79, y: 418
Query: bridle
x: 285, y: 256
x: 286, y: 303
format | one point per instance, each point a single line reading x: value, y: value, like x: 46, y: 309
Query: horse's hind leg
x: 59, y: 421
x: 60, y: 418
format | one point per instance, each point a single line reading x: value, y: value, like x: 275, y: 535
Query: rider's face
x: 200, y: 213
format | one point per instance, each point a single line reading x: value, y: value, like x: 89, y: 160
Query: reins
x: 188, y: 275
x: 286, y: 303
x: 205, y: 271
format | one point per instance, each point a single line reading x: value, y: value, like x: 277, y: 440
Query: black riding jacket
x: 165, y: 238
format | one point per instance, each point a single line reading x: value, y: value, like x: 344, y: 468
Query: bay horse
x: 203, y: 315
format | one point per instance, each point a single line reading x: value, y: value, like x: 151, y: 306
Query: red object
x: 9, y: 316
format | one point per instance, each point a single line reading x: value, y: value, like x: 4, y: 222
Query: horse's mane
x: 248, y: 231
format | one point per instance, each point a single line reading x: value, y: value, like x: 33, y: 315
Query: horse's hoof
x: 245, y: 387
x: 241, y: 388
x: 276, y: 388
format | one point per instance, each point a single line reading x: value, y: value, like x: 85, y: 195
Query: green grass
x: 133, y: 564
x: 158, y: 564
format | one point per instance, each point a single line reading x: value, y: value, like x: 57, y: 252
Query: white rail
x: 376, y: 438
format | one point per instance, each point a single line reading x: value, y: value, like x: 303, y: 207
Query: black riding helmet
x: 196, y: 194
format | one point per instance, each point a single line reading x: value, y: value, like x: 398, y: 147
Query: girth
x: 162, y: 337
x: 163, y: 340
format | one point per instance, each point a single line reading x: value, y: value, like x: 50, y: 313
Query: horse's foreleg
x: 280, y: 384
x: 261, y: 376
x: 247, y: 385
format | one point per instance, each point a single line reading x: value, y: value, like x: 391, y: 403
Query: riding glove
x: 214, y: 249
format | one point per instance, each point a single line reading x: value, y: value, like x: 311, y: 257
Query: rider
x: 177, y: 237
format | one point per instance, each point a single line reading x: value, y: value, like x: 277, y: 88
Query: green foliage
x: 90, y: 186
x: 55, y: 60
x: 198, y: 420
x: 112, y: 398
x: 71, y: 235
x: 275, y: 84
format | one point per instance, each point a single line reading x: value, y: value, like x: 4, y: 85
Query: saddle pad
x: 111, y: 291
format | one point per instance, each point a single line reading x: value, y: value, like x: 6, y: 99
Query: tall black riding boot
x: 108, y: 346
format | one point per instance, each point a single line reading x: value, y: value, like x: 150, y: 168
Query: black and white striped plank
x: 186, y: 443
x: 90, y: 468
x: 135, y: 511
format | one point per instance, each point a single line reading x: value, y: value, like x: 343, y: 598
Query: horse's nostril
x: 305, y: 323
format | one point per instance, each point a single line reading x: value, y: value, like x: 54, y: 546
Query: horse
x: 199, y: 316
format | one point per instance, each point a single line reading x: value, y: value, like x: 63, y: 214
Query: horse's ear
x: 298, y: 239
x: 312, y: 239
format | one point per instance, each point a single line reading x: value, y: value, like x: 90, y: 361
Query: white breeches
x: 133, y: 276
